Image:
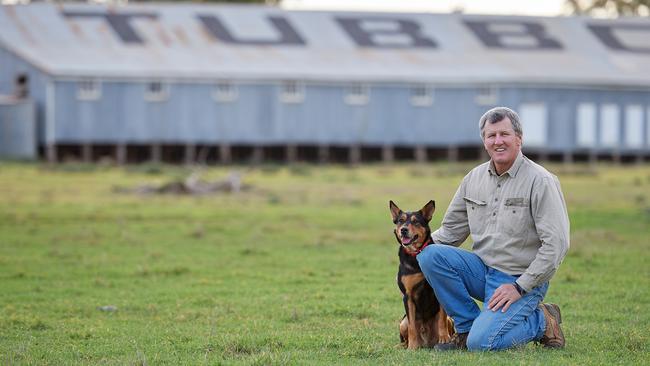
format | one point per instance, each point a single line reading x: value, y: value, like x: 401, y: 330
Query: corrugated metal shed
x: 192, y: 41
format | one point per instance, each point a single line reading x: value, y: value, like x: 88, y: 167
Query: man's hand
x: 504, y: 296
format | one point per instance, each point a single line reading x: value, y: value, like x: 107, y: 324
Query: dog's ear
x: 394, y: 210
x: 428, y: 209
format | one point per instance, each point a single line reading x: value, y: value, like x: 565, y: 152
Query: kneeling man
x: 515, y: 212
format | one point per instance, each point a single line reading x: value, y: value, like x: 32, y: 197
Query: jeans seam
x: 491, y: 339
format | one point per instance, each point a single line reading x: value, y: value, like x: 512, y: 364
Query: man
x: 515, y: 212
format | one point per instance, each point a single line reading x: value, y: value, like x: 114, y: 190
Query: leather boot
x: 553, y: 336
x: 458, y: 342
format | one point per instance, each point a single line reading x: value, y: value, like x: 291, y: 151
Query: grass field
x: 300, y: 269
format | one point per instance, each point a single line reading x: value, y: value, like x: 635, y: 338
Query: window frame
x: 292, y: 91
x: 86, y: 93
x: 156, y: 96
x: 357, y: 93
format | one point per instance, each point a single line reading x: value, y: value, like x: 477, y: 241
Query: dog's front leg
x: 444, y: 326
x: 404, y: 331
x: 414, y: 339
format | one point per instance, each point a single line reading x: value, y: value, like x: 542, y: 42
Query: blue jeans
x: 458, y: 277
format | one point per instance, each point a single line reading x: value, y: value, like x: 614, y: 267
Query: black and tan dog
x: 426, y: 323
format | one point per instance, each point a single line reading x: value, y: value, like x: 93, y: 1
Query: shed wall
x: 258, y: 115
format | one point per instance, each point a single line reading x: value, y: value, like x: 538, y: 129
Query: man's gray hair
x: 498, y: 114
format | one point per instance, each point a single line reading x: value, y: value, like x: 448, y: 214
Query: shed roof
x: 258, y: 42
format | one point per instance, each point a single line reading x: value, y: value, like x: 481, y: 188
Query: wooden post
x: 593, y: 157
x: 323, y: 153
x: 452, y: 154
x: 225, y: 153
x: 190, y: 154
x: 51, y: 153
x: 258, y: 155
x: 387, y: 154
x: 292, y: 153
x: 420, y: 154
x: 120, y: 153
x: 354, y: 154
x: 156, y: 152
x: 86, y: 153
x: 639, y: 158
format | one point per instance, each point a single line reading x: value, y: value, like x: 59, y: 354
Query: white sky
x: 505, y: 7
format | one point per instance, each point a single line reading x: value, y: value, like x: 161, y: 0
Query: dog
x: 425, y: 323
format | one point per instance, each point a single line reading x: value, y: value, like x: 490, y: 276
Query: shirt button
x: 494, y: 214
x: 496, y: 199
x: 498, y: 185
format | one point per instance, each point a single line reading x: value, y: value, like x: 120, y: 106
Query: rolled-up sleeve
x: 549, y: 213
x: 455, y: 226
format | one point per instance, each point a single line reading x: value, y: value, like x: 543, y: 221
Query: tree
x: 609, y: 8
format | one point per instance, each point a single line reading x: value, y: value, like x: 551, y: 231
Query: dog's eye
x: 400, y: 221
x: 415, y: 223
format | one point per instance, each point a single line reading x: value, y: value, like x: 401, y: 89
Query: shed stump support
x: 120, y: 154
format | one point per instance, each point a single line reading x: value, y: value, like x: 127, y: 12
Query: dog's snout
x: 404, y: 231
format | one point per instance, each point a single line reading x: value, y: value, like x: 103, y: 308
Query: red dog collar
x: 413, y: 254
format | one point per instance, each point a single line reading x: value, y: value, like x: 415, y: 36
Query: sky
x: 504, y: 7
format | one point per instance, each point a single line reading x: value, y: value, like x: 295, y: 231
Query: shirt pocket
x: 515, y: 219
x: 476, y: 214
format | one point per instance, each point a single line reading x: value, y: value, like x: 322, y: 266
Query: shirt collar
x: 512, y: 172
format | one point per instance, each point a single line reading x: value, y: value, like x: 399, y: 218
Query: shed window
x: 421, y: 95
x: 156, y: 91
x: 357, y: 94
x: 487, y: 95
x: 634, y: 126
x: 534, y: 123
x: 89, y: 89
x: 609, y: 125
x: 225, y: 91
x: 586, y: 126
x: 292, y: 92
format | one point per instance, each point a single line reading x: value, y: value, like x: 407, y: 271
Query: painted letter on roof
x: 512, y: 34
x: 385, y: 32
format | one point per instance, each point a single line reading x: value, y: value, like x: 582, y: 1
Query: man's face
x: 501, y: 143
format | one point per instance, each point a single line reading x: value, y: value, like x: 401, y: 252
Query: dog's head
x: 412, y: 228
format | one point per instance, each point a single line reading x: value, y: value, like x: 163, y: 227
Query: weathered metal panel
x: 258, y: 42
x: 258, y: 115
x: 17, y: 129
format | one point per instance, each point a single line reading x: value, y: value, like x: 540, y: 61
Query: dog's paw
x: 444, y: 339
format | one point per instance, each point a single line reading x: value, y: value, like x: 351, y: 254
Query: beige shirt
x: 518, y: 221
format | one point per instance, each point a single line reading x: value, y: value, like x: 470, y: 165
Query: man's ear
x: 428, y: 209
x: 394, y: 210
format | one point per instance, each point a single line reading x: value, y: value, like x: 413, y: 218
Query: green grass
x: 298, y: 270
